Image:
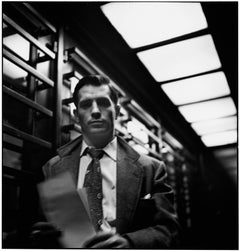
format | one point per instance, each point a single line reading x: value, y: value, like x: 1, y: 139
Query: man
x: 136, y: 204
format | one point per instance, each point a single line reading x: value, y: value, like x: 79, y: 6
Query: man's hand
x: 107, y: 240
x: 45, y: 235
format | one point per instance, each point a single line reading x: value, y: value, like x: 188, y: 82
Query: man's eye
x: 85, y: 104
x: 104, y: 102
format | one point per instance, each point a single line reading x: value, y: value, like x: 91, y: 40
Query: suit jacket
x: 146, y: 223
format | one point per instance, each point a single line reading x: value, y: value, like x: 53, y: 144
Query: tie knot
x: 95, y: 153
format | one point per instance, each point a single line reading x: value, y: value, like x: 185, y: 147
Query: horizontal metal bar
x: 12, y: 147
x: 72, y: 74
x: 29, y: 37
x: 153, y: 136
x: 67, y: 101
x: 86, y: 63
x: 141, y: 115
x: 71, y: 127
x: 14, y: 59
x: 40, y: 18
x: 80, y: 59
x: 25, y: 136
x: 20, y: 175
x: 13, y: 83
x: 27, y: 101
x: 7, y: 31
x: 14, y: 53
x: 41, y: 28
x: 173, y: 151
x: 119, y: 130
x: 155, y: 154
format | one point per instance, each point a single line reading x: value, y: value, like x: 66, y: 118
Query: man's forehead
x: 91, y: 91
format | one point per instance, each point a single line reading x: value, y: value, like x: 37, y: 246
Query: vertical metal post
x: 58, y: 89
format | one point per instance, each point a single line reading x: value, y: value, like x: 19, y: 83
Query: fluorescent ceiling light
x: 216, y: 125
x: 196, y: 89
x: 142, y: 23
x: 217, y: 139
x: 181, y: 59
x: 208, y: 110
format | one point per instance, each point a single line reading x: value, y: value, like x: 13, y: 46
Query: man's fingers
x: 46, y: 233
x: 42, y: 229
x: 108, y: 241
x: 99, y: 237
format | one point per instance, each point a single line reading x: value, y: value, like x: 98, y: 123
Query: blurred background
x: 175, y: 67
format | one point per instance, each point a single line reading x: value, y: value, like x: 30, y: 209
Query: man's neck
x: 98, y: 142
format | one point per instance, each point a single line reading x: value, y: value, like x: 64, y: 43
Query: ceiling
x: 105, y: 46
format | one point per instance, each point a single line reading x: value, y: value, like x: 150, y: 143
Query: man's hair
x: 95, y: 80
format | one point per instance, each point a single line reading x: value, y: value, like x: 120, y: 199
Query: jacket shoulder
x: 146, y: 160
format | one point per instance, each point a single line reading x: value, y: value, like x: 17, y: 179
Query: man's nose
x: 96, y: 113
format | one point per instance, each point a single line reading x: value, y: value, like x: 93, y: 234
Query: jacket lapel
x: 71, y: 157
x: 129, y: 180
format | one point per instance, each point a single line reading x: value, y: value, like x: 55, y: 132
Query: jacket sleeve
x: 163, y: 229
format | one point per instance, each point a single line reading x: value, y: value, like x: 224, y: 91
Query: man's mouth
x: 96, y: 122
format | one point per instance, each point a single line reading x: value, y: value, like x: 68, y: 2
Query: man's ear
x: 76, y: 115
x: 117, y: 107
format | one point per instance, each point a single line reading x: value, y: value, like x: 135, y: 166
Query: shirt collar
x: 110, y: 149
x: 84, y: 146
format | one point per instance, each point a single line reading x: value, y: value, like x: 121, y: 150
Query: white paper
x: 64, y: 207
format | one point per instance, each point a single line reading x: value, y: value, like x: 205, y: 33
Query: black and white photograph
x: 120, y: 125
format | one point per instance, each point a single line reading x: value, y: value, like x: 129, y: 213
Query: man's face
x: 96, y: 112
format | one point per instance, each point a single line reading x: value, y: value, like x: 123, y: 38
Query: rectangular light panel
x: 144, y: 23
x: 181, y: 59
x: 196, y: 89
x: 216, y: 125
x: 208, y: 110
x: 217, y: 139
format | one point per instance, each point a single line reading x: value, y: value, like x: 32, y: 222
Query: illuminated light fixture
x: 142, y: 23
x: 208, y: 110
x: 214, y: 126
x: 181, y: 59
x: 18, y: 44
x: 196, y: 89
x: 222, y: 138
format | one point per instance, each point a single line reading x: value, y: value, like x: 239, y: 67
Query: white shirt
x: 108, y: 165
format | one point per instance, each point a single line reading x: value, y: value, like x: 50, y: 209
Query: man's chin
x: 98, y: 130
